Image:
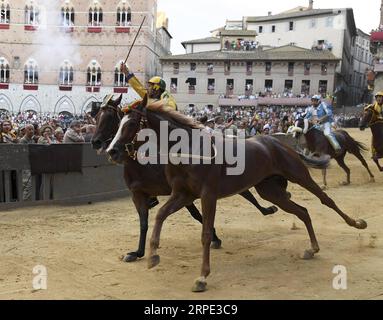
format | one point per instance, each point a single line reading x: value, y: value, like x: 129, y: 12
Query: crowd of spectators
x: 260, y: 120
x: 241, y: 45
x: 31, y: 128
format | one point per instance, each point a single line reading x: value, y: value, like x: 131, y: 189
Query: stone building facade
x: 235, y: 77
x: 60, y: 56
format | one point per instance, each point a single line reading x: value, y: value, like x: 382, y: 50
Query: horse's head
x: 366, y: 119
x: 108, y: 117
x: 125, y: 141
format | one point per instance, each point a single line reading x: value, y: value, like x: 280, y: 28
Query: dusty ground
x: 260, y: 259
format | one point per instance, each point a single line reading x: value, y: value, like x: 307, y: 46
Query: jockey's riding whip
x: 134, y: 41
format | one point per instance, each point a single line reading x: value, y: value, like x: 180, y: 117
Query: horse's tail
x: 315, y: 162
x: 354, y: 146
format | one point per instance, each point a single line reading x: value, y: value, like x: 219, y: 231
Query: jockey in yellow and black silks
x: 377, y: 113
x: 156, y: 88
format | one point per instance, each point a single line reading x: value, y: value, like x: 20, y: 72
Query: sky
x: 194, y: 19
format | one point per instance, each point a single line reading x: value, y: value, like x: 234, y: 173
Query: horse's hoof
x: 216, y: 244
x: 200, y: 285
x: 344, y: 184
x: 372, y: 180
x: 271, y: 210
x: 130, y: 257
x: 153, y: 261
x: 308, y: 254
x: 324, y: 188
x: 361, y: 224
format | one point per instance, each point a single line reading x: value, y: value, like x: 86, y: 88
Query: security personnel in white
x: 320, y: 114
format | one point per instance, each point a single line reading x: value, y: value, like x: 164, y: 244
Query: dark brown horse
x: 317, y: 143
x: 269, y: 165
x: 145, y: 181
x: 371, y: 119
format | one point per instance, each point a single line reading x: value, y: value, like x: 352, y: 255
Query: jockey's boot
x: 153, y: 202
x: 335, y: 144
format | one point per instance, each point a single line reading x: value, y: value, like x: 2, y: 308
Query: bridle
x: 131, y: 147
x: 118, y: 112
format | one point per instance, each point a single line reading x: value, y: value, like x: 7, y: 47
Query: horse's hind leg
x: 377, y: 163
x: 324, y: 176
x: 342, y: 164
x: 305, y: 181
x: 273, y: 192
x: 265, y: 211
x: 141, y: 202
x: 364, y: 163
x: 216, y: 243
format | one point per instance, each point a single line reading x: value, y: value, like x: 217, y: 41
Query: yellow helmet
x: 158, y: 83
x: 380, y: 93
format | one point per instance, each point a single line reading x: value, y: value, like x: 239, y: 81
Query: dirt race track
x: 81, y: 245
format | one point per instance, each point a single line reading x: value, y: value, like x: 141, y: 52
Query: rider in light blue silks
x: 320, y: 114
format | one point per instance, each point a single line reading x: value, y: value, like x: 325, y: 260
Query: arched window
x: 5, y: 12
x: 95, y: 15
x: 31, y: 72
x: 67, y: 15
x: 4, y: 70
x: 32, y: 14
x: 124, y: 14
x: 119, y: 77
x: 94, y: 74
x: 66, y: 74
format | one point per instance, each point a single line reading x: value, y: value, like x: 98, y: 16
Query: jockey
x: 320, y: 114
x: 156, y: 88
x: 377, y: 111
x: 377, y: 106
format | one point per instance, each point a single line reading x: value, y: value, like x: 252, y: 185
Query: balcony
x: 120, y: 89
x: 4, y: 26
x: 173, y: 90
x: 30, y: 27
x: 290, y: 73
x: 123, y: 29
x: 191, y: 89
x: 31, y: 86
x: 4, y: 86
x: 210, y: 91
x: 65, y: 87
x: 268, y: 72
x: 176, y: 71
x: 93, y: 88
x: 93, y: 29
x: 210, y: 72
x: 307, y: 72
x: 227, y: 72
x: 249, y: 72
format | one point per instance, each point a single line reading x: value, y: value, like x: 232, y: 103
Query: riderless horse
x: 269, y: 165
x: 145, y: 181
x: 316, y: 142
x: 370, y: 119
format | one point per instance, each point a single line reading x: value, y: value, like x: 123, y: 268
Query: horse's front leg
x: 209, y: 205
x: 141, y: 202
x: 175, y: 203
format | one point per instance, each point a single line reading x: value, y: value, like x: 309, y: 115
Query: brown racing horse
x: 269, y: 165
x: 316, y: 142
x: 370, y: 119
x: 145, y: 181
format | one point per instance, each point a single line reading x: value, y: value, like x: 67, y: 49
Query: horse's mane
x: 161, y: 107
